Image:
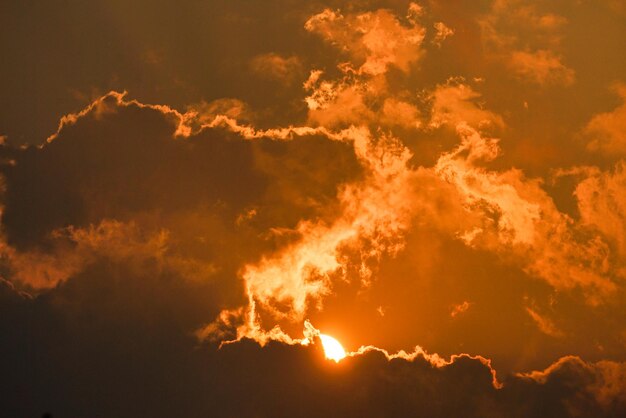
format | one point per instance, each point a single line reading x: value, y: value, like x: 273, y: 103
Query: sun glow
x: 332, y: 348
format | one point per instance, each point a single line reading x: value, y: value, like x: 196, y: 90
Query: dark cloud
x: 177, y: 53
x: 121, y: 161
x: 109, y: 344
x: 116, y: 163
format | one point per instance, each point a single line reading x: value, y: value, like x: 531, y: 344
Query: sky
x: 196, y: 195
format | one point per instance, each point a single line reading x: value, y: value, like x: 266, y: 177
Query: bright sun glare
x: 332, y: 348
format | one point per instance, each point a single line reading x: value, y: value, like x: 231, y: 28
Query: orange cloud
x: 602, y: 203
x: 541, y: 67
x: 527, y: 40
x: 408, y: 177
x: 544, y: 324
x: 454, y: 103
x: 376, y: 212
x: 460, y: 309
x: 375, y: 41
x: 277, y: 67
x: 605, y: 381
x: 443, y: 32
x: 77, y: 248
x: 607, y: 131
x: 519, y: 217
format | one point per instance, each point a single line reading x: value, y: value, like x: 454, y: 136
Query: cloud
x: 456, y: 102
x: 374, y: 215
x: 606, y: 130
x: 75, y: 248
x: 545, y: 324
x: 277, y: 67
x: 598, y: 386
x: 120, y: 181
x: 375, y: 44
x: 527, y: 39
x: 518, y: 210
x: 400, y: 113
x: 541, y: 67
x: 337, y: 103
x: 205, y: 113
x: 602, y: 205
x: 442, y: 33
x: 460, y: 309
x: 518, y: 217
x: 374, y: 41
x: 245, y: 379
x: 385, y: 165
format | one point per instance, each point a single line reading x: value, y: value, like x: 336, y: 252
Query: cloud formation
x: 606, y: 130
x: 386, y: 172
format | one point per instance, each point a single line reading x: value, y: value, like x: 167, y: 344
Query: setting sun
x: 332, y: 348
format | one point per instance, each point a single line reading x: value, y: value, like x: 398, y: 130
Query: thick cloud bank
x: 106, y: 361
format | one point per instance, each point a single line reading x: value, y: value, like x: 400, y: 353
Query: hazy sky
x: 439, y: 185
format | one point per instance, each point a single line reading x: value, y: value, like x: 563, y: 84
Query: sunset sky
x: 325, y: 208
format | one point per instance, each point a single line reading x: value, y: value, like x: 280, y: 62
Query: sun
x: 332, y: 348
